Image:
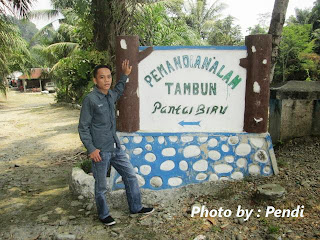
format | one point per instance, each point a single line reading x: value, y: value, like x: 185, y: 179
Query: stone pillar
x: 127, y: 47
x: 258, y: 65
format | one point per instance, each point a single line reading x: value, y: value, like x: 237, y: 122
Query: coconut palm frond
x: 55, y: 67
x: 22, y: 7
x: 214, y: 10
x: 63, y: 47
x: 43, y: 31
x: 9, y: 33
x: 46, y: 14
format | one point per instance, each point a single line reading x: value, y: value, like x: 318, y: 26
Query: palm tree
x: 275, y: 29
x: 17, y: 7
x: 10, y: 39
x: 201, y: 16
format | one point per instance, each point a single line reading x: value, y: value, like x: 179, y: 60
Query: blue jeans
x: 121, y: 163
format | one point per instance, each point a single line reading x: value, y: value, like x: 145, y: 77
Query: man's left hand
x: 126, y: 69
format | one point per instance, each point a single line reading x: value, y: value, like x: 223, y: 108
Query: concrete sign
x: 195, y: 114
x: 193, y: 89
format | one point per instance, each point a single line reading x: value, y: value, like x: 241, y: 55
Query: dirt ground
x: 39, y: 145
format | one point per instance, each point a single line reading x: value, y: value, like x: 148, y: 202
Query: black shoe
x: 108, y: 221
x: 146, y: 210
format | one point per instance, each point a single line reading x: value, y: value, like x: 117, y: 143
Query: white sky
x: 246, y: 12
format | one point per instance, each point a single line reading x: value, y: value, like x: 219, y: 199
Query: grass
x: 85, y: 165
x: 281, y: 162
x: 273, y: 229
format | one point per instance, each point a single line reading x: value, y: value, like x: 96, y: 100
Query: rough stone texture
x: 214, y: 155
x: 173, y: 138
x: 243, y: 149
x: 201, y: 165
x: 261, y: 156
x: 201, y: 176
x: 183, y: 165
x: 225, y: 148
x: 213, y: 177
x: 64, y: 237
x: 257, y: 142
x: 168, y: 152
x: 156, y: 181
x: 137, y: 151
x: 294, y: 110
x: 137, y: 139
x: 145, y: 169
x: 237, y: 175
x: 167, y: 165
x: 296, y: 118
x: 254, y: 169
x: 241, y: 162
x: 271, y: 191
x: 161, y: 139
x: 174, y: 181
x: 148, y: 147
x: 233, y: 140
x: 150, y: 157
x: 229, y: 159
x: 149, y: 139
x: 141, y: 180
x: 203, y: 139
x: 223, y: 168
x: 296, y: 90
x: 186, y: 139
x: 191, y: 151
x: 212, y: 142
x: 81, y: 183
x: 118, y: 200
x: 229, y: 153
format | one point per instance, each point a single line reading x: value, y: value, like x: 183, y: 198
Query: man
x: 97, y: 130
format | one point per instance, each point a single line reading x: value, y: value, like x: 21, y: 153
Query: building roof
x: 35, y: 73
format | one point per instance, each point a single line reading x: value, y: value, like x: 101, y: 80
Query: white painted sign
x: 192, y: 89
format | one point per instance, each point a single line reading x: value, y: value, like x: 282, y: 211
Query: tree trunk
x: 275, y: 29
x: 102, y: 19
x: 109, y: 20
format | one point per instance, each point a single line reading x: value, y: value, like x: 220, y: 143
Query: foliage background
x: 87, y: 30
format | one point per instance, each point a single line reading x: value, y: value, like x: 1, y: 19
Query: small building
x: 34, y: 81
x: 12, y: 79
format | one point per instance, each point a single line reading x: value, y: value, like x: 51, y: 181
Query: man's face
x: 103, y: 79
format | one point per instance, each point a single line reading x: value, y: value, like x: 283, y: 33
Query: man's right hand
x: 95, y: 156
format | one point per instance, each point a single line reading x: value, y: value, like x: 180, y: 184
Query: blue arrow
x: 183, y: 123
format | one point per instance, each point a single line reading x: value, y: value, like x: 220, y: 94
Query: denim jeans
x: 121, y: 163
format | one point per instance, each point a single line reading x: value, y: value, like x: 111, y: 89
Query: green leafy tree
x: 154, y: 27
x: 294, y: 54
x: 27, y: 28
x: 201, y: 16
x: 315, y: 21
x: 302, y: 16
x: 261, y: 27
x: 225, y: 33
x: 13, y: 50
x: 73, y: 74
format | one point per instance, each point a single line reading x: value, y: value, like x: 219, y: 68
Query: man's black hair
x: 96, y: 68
